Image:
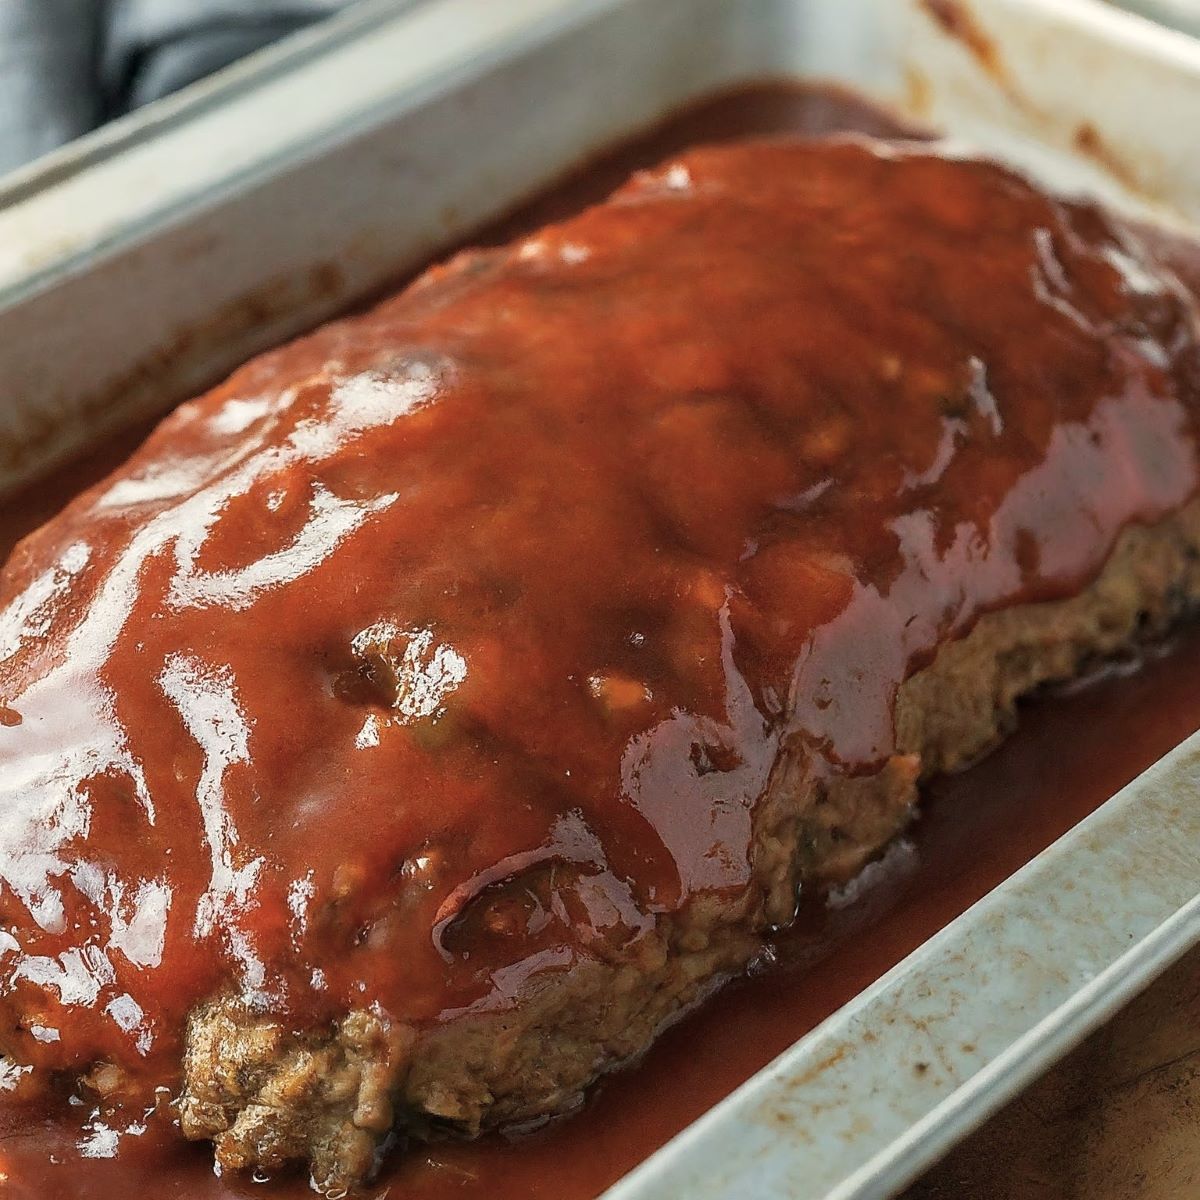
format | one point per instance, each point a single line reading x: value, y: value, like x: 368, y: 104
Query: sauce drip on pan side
x: 230, y: 798
x: 1068, y: 755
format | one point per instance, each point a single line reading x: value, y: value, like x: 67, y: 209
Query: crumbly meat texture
x: 430, y: 714
x: 265, y: 1096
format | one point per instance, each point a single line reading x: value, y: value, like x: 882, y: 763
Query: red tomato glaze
x: 714, y: 465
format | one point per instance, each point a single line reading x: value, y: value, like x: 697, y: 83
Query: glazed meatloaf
x: 428, y: 715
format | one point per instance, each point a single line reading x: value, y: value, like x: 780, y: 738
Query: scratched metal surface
x: 144, y: 261
x: 875, y: 1094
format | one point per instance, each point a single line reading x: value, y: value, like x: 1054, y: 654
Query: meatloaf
x: 435, y: 710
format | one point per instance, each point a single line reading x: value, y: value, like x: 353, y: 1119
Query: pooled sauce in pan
x: 977, y: 828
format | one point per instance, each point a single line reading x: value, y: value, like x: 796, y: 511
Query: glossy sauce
x: 749, y: 636
x: 1069, y: 754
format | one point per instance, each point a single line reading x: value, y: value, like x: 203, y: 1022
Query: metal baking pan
x: 1179, y: 14
x: 144, y: 261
